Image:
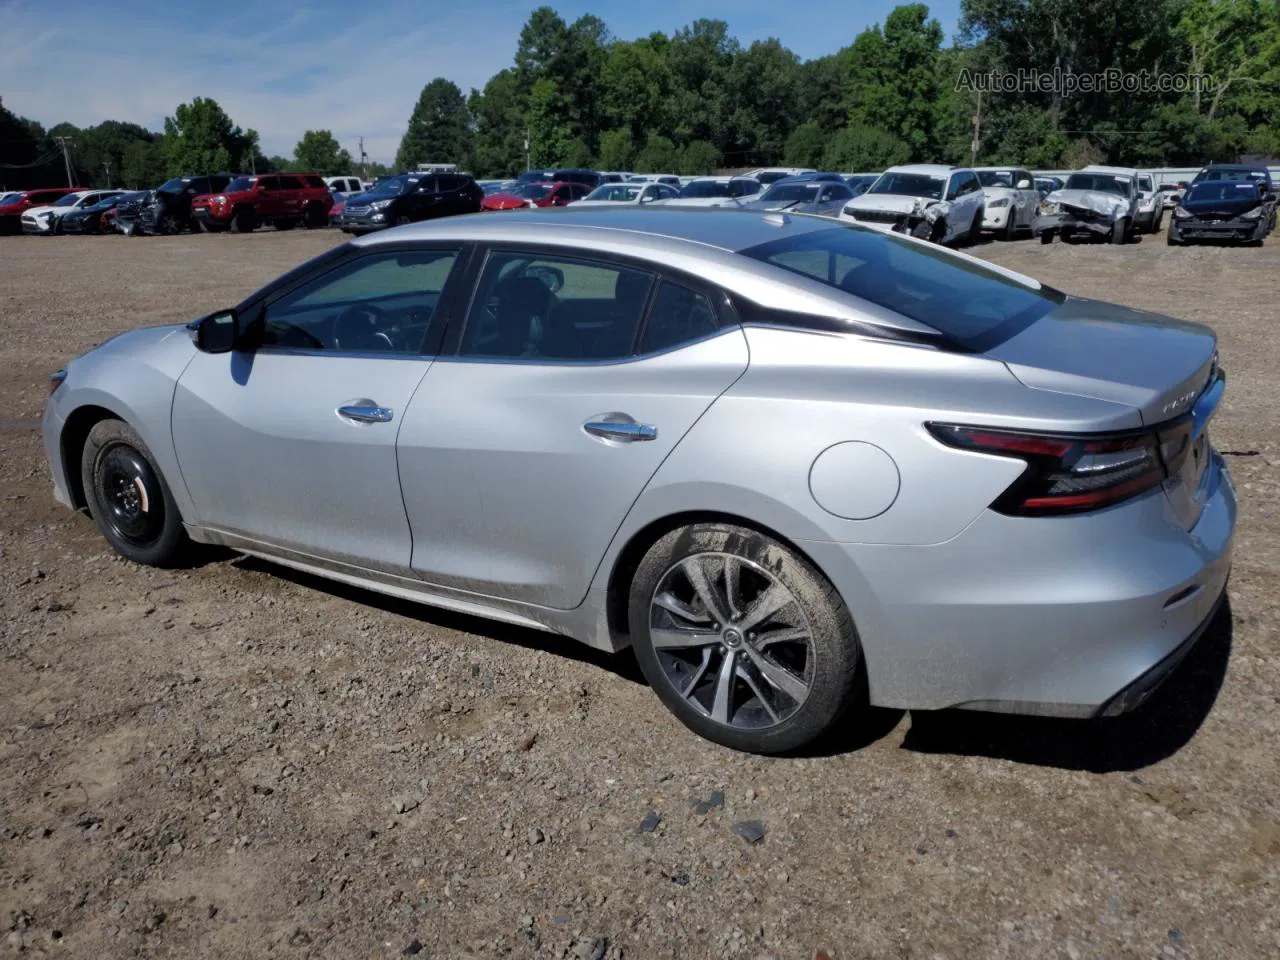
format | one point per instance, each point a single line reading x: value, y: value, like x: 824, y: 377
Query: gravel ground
x: 235, y: 760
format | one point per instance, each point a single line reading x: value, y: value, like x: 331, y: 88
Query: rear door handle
x: 366, y: 413
x: 626, y: 431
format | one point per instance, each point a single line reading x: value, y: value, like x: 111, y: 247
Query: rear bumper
x: 1240, y: 230
x: 1059, y: 616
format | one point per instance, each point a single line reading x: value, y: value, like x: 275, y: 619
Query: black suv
x: 1252, y: 172
x: 408, y: 198
x: 168, y: 210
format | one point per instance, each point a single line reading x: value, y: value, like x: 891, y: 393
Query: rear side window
x: 971, y: 305
x: 532, y: 307
x: 290, y: 183
x: 678, y: 315
x: 313, y: 181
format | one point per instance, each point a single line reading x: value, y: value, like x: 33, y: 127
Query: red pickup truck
x: 12, y: 209
x: 283, y: 200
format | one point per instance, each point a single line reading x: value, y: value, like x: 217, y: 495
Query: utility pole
x: 107, y: 165
x: 977, y: 131
x: 364, y: 162
x: 528, y: 153
x: 66, y: 157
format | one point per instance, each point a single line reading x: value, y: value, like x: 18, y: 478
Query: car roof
x: 702, y: 243
x: 1102, y: 168
x: 728, y: 230
x: 927, y: 169
x: 1007, y: 168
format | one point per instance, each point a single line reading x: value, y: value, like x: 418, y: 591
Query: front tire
x: 1120, y: 230
x: 128, y: 497
x: 742, y: 639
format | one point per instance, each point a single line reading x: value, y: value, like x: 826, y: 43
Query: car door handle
x: 626, y: 431
x: 366, y: 413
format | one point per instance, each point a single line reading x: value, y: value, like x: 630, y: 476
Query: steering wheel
x: 363, y: 326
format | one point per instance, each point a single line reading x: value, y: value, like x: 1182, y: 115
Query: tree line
x: 698, y: 100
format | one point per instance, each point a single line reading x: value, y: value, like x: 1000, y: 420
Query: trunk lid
x: 1167, y: 369
x: 1101, y: 350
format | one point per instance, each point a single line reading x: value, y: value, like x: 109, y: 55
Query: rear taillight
x: 1075, y: 473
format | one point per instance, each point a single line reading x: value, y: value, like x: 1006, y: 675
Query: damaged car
x: 1010, y: 201
x: 168, y: 211
x: 1100, y: 202
x: 803, y: 195
x: 1150, y: 205
x: 934, y: 202
x: 1229, y: 210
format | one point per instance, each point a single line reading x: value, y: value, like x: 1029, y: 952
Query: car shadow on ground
x: 622, y: 664
x: 1159, y: 728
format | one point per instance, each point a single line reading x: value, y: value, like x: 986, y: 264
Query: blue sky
x: 354, y: 67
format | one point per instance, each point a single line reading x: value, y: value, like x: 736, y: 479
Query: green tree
x: 439, y: 128
x: 617, y: 150
x: 318, y: 151
x: 637, y: 83
x: 200, y: 138
x: 766, y: 77
x: 698, y: 157
x: 658, y: 156
x: 860, y: 149
x: 143, y: 165
x: 549, y: 134
x: 500, y: 127
x: 805, y: 146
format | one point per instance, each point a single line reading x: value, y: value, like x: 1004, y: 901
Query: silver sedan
x: 795, y: 465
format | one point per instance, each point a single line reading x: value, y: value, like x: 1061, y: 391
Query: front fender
x: 132, y: 378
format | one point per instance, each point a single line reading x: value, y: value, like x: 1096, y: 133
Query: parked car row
x: 1229, y: 202
x: 940, y: 203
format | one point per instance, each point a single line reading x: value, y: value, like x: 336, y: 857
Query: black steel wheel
x: 127, y: 496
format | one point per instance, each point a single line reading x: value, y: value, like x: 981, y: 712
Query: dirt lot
x: 239, y: 761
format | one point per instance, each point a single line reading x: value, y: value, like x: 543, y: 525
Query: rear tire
x: 767, y: 685
x: 1046, y: 236
x: 128, y: 497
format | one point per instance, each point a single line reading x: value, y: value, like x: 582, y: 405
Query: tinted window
x: 269, y: 183
x: 377, y: 304
x: 996, y: 178
x: 290, y: 183
x: 553, y: 308
x: 837, y: 191
x: 678, y: 316
x: 313, y: 181
x: 240, y: 184
x: 969, y: 303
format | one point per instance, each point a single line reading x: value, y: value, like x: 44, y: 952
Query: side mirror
x: 216, y: 333
x: 1023, y: 185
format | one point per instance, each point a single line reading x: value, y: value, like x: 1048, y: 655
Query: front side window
x: 549, y: 308
x: 241, y: 184
x: 376, y: 304
x: 972, y: 305
x: 290, y: 183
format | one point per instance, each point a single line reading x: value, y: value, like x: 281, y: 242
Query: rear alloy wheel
x: 742, y: 639
x: 127, y: 496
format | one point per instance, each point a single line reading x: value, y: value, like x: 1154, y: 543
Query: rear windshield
x: 791, y: 192
x: 706, y: 188
x: 973, y: 306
